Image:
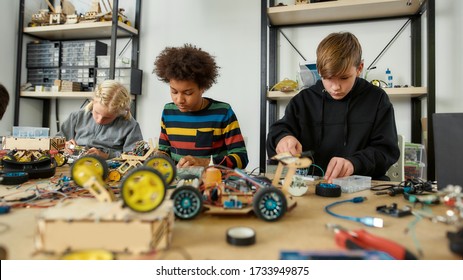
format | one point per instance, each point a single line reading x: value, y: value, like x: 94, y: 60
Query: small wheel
x: 13, y: 178
x: 143, y: 189
x: 85, y: 167
x: 60, y: 159
x: 269, y: 204
x: 114, y: 176
x: 165, y: 165
x: 187, y: 202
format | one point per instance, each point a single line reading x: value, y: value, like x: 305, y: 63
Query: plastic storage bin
x: 414, y: 170
x: 129, y: 77
x: 414, y: 152
x: 354, y: 183
x: 82, y: 53
x: 43, y: 54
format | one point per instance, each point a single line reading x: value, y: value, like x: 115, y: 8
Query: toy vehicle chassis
x: 236, y: 193
x: 42, y: 168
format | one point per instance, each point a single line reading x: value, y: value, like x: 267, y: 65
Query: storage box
x: 354, y: 183
x: 129, y: 77
x: 414, y: 152
x: 82, y: 53
x: 30, y: 132
x: 414, y: 169
x: 85, y: 223
x: 43, y: 54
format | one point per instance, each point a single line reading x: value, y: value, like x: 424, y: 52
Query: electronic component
x: 393, y: 211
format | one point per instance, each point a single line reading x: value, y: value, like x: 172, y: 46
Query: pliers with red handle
x: 363, y: 240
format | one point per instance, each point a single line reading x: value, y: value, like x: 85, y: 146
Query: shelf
x: 392, y: 92
x: 61, y: 94
x: 82, y: 30
x: 341, y: 10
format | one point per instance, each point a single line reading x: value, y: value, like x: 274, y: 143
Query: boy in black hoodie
x: 346, y: 121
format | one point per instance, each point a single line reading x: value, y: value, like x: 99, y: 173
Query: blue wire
x: 351, y: 218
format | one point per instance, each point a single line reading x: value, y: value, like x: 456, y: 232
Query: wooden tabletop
x: 303, y: 229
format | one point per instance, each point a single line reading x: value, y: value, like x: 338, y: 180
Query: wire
x: 388, y: 45
x: 292, y: 45
x: 368, y: 221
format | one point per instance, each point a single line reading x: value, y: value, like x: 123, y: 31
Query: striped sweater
x: 213, y: 130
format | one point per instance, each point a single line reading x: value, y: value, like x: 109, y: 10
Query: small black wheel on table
x: 269, y: 204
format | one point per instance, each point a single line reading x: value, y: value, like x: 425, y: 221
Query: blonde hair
x: 337, y: 53
x: 114, y: 96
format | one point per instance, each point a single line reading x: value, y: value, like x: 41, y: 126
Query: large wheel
x: 187, y: 202
x: 88, y: 166
x: 165, y: 165
x: 143, y: 189
x: 269, y: 204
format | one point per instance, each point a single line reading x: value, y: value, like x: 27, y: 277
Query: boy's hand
x: 289, y: 144
x: 192, y: 161
x: 338, y: 167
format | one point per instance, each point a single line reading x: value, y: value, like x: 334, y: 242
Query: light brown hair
x: 336, y: 53
x: 114, y: 96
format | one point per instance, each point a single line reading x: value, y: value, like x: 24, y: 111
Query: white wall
x: 8, y: 30
x: 230, y: 30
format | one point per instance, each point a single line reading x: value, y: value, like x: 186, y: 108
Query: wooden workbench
x: 302, y: 228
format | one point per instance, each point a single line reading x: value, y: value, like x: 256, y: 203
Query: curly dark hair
x: 4, y: 100
x: 187, y: 63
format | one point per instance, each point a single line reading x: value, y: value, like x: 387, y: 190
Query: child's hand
x: 192, y: 161
x: 338, y: 167
x: 97, y: 152
x: 69, y: 147
x: 289, y: 144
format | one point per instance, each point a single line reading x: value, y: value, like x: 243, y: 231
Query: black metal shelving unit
x: 273, y: 18
x: 113, y: 30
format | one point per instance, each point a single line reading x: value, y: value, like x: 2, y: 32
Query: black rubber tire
x: 269, y: 204
x: 188, y: 202
x: 13, y: 178
x: 328, y: 190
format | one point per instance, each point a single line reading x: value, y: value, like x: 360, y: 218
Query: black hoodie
x: 360, y: 127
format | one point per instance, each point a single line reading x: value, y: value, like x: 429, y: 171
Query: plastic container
x: 414, y: 152
x: 414, y: 170
x: 30, y: 132
x: 354, y: 183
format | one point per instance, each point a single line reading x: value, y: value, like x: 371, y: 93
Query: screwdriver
x: 363, y: 240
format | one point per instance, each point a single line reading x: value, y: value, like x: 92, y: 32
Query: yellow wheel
x: 89, y: 255
x: 43, y: 157
x: 9, y: 157
x: 60, y: 159
x: 143, y: 189
x: 88, y: 166
x: 165, y: 165
x: 114, y: 176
